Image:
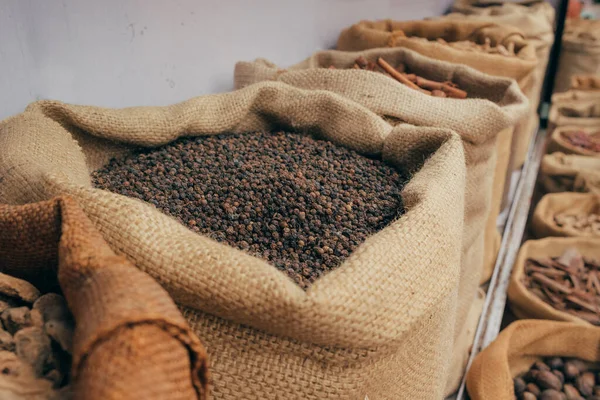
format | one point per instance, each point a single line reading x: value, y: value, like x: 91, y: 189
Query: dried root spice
x: 558, y: 378
x: 300, y: 203
x: 36, y: 333
x: 399, y: 73
x: 586, y: 223
x: 569, y: 283
x: 581, y: 139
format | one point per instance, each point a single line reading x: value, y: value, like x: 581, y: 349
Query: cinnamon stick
x: 545, y: 281
x: 399, y: 76
x: 449, y: 90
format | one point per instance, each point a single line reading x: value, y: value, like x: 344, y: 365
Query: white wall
x: 119, y: 53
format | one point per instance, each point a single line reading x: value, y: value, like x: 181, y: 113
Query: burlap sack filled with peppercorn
x: 130, y: 341
x: 567, y: 214
x: 580, y: 52
x: 478, y: 44
x: 520, y: 345
x: 561, y: 172
x: 575, y: 113
x: 584, y: 141
x: 528, y: 303
x: 355, y: 330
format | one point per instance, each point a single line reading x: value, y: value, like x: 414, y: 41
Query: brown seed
x: 547, y: 380
x: 571, y: 370
x: 528, y: 396
x: 571, y: 392
x: 559, y: 375
x: 533, y: 388
x: 582, y: 384
x: 551, y: 394
x: 519, y: 385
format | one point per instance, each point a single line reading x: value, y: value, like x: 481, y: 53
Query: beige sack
x: 525, y: 304
x: 553, y: 204
x: 520, y: 345
x: 558, y: 143
x: 580, y: 52
x: 587, y: 182
x: 352, y: 333
x: 560, y: 172
x: 485, y: 158
x: 575, y: 113
x: 421, y: 35
x: 585, y: 82
x: 575, y: 96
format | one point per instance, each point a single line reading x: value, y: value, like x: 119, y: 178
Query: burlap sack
x: 525, y: 304
x: 356, y: 330
x: 543, y: 224
x: 559, y: 167
x: 520, y: 345
x: 130, y: 340
x: 575, y: 96
x: 585, y: 82
x: 575, y: 113
x: 580, y: 52
x: 558, y: 143
x: 421, y: 36
x: 587, y: 182
x: 485, y: 159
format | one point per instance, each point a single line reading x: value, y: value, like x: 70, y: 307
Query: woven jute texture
x: 130, y: 339
x: 421, y: 36
x: 482, y: 122
x: 525, y: 304
x: 552, y: 204
x: 520, y: 345
x: 580, y: 52
x: 558, y: 143
x: 585, y: 82
x: 381, y: 324
x: 575, y: 113
x: 581, y: 171
x: 575, y: 95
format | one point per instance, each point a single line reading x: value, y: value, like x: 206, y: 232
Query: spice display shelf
x: 512, y: 237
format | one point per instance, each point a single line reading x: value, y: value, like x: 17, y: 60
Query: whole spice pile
x: 35, y: 341
x: 559, y: 378
x: 300, y: 203
x: 587, y: 141
x: 586, y: 223
x: 400, y: 73
x: 569, y: 283
x: 486, y: 47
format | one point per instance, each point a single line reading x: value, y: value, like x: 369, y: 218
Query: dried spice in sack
x: 36, y: 333
x: 300, y: 203
x: 558, y: 378
x: 587, y: 141
x: 586, y: 223
x: 569, y: 283
x: 427, y: 86
x: 486, y: 47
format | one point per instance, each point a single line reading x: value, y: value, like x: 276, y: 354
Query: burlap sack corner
x: 571, y: 166
x: 355, y: 331
x: 558, y: 143
x: 574, y: 113
x: 521, y: 344
x: 580, y: 52
x: 130, y: 341
x: 585, y: 82
x: 525, y: 304
x: 550, y: 205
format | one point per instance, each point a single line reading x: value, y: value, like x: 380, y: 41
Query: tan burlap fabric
x: 580, y: 52
x: 487, y: 148
x: 558, y: 143
x: 568, y: 167
x: 130, y: 341
x: 525, y: 304
x: 575, y: 95
x: 421, y: 35
x: 520, y: 345
x: 587, y: 182
x: 575, y: 113
x: 379, y: 325
x: 585, y: 82
x: 543, y: 224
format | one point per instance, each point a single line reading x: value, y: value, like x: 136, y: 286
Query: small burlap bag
x: 561, y: 172
x: 543, y: 223
x: 357, y: 329
x: 487, y: 148
x: 558, y: 143
x: 130, y: 340
x: 580, y: 52
x: 421, y: 36
x: 520, y: 345
x: 575, y: 113
x: 585, y: 82
x: 525, y: 304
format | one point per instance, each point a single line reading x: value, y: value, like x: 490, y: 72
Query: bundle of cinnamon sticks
x: 569, y: 283
x: 427, y: 86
